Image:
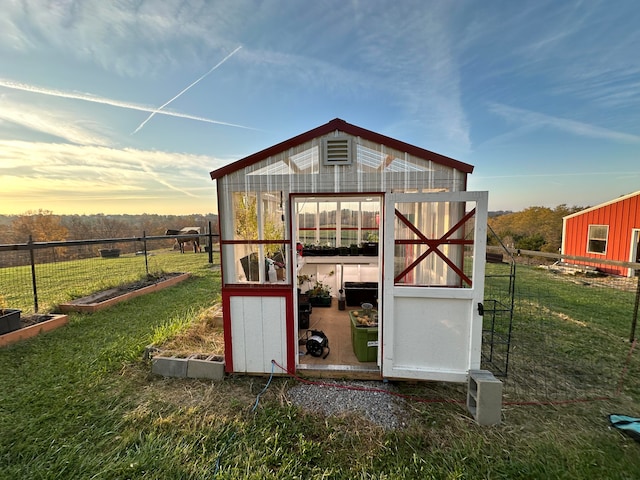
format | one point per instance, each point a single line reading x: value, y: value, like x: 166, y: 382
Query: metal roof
x: 604, y: 204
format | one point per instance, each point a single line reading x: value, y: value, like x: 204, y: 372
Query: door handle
x: 480, y: 309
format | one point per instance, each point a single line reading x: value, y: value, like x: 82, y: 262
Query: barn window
x: 598, y: 239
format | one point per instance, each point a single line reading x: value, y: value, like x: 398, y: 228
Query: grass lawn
x: 80, y: 402
x: 60, y: 282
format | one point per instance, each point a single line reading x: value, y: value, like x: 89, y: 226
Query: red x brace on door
x: 433, y: 245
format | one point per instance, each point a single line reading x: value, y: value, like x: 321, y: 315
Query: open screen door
x: 433, y: 284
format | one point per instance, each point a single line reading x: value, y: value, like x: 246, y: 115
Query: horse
x: 195, y: 240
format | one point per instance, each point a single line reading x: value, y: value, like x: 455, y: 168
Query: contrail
x: 107, y: 101
x: 184, y: 90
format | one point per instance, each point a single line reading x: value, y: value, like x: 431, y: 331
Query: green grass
x: 568, y: 331
x: 79, y: 402
x: 61, y: 282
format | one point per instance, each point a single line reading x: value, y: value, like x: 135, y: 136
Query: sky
x: 126, y: 106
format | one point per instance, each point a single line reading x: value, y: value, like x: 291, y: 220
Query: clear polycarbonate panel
x: 272, y: 215
x: 349, y: 223
x: 376, y: 168
x: 252, y: 262
x: 245, y: 216
x: 327, y: 213
x: 345, y: 222
x: 307, y: 213
x: 370, y: 213
x: 258, y: 218
x: 264, y: 220
x: 429, y: 249
x: 303, y: 162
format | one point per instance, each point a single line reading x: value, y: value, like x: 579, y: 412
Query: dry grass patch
x: 204, y: 335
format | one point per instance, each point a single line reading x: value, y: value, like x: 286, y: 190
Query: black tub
x: 357, y: 293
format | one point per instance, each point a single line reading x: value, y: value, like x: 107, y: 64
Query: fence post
x: 144, y: 246
x: 210, y: 240
x: 33, y: 275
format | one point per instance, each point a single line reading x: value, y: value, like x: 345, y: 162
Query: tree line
x: 45, y: 226
x: 534, y: 228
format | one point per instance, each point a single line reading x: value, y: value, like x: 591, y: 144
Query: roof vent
x: 337, y: 151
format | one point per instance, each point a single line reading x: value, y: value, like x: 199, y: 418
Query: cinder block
x: 210, y: 367
x: 484, y: 397
x: 169, y: 366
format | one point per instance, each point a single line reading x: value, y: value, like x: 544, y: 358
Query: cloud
x: 608, y: 86
x: 55, y: 123
x: 131, y: 38
x: 420, y: 64
x: 530, y: 121
x: 42, y: 169
x: 86, y: 97
x: 363, y: 52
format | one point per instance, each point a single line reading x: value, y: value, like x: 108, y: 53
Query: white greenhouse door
x: 433, y: 284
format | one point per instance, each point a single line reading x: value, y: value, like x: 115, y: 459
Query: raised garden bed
x: 100, y: 300
x: 109, y: 252
x: 33, y: 325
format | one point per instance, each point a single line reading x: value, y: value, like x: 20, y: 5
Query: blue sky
x: 542, y: 97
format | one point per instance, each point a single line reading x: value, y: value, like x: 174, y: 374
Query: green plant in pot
x: 319, y: 292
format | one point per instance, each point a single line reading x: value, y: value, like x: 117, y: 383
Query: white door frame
x: 433, y: 333
x: 633, y: 250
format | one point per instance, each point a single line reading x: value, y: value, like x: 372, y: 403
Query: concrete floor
x: 341, y: 361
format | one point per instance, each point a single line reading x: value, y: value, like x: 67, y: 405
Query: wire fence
x: 37, y: 276
x: 570, y: 334
x: 548, y: 334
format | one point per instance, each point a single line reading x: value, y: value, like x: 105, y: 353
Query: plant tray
x: 320, y: 301
x: 9, y: 320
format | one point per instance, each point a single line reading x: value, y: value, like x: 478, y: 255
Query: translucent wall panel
x: 429, y: 249
x: 327, y: 215
x: 349, y: 223
x: 377, y: 168
x: 337, y: 223
x: 259, y: 223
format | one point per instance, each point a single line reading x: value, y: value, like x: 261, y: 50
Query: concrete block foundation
x: 484, y: 397
x: 169, y: 366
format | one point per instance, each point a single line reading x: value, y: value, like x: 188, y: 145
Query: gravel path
x: 378, y: 407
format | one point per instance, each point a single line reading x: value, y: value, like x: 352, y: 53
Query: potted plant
x: 9, y: 318
x: 370, y: 246
x: 319, y: 293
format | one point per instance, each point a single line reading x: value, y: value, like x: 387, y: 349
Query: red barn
x: 609, y: 231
